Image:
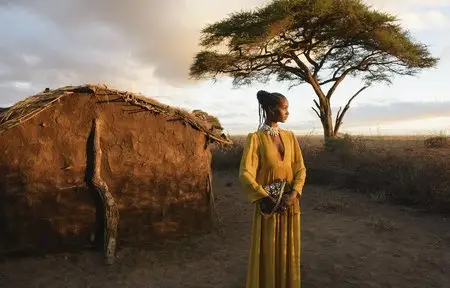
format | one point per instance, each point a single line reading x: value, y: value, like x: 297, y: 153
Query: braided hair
x: 267, y: 102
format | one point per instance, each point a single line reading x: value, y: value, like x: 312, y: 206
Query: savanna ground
x: 379, y: 218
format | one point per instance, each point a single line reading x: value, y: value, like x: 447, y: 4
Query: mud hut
x: 90, y: 166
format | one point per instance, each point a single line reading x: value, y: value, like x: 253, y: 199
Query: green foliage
x: 215, y: 123
x: 318, y: 42
x: 294, y: 40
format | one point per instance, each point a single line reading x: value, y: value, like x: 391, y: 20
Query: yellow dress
x: 274, y: 260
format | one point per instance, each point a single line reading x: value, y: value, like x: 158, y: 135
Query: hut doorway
x: 106, y: 210
x: 98, y: 233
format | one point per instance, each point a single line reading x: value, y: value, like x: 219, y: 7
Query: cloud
x: 445, y: 56
x: 395, y: 112
x: 161, y: 34
x: 148, y: 45
x: 396, y: 118
x: 417, y: 14
x: 359, y: 116
x: 405, y: 4
x: 432, y: 19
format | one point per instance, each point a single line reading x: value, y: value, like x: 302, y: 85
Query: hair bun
x: 261, y: 95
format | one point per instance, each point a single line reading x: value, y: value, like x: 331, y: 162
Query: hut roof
x: 33, y: 105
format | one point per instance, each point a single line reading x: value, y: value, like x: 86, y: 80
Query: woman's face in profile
x: 281, y: 113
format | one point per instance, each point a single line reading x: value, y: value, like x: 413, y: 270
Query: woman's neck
x: 271, y: 124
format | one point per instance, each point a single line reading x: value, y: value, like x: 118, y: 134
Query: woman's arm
x: 298, y: 166
x: 248, y: 168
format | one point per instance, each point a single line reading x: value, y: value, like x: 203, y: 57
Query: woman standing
x: 273, y: 154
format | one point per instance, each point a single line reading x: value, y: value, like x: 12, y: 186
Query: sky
x: 147, y: 47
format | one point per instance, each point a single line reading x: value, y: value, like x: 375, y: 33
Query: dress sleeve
x: 298, y: 166
x: 248, y: 169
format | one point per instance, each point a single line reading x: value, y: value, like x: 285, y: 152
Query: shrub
x: 436, y: 142
x: 345, y: 144
x: 228, y: 157
x: 405, y: 175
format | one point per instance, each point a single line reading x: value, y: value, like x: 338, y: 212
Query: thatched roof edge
x: 33, y: 105
x: 2, y: 110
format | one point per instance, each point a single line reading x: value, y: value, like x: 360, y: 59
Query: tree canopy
x: 318, y: 42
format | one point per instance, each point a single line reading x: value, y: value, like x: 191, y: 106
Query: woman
x: 270, y: 154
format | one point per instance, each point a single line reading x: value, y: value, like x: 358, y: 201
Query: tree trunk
x: 323, y: 110
x: 327, y: 122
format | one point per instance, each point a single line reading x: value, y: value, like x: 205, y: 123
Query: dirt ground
x: 348, y: 240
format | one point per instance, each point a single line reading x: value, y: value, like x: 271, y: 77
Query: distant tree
x: 319, y: 42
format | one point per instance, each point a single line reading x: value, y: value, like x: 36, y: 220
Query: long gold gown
x: 274, y: 260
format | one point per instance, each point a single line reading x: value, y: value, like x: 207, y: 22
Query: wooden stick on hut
x: 111, y: 216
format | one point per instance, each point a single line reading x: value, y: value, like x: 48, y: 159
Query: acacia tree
x: 318, y: 42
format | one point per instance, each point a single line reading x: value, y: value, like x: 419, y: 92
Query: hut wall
x: 156, y: 170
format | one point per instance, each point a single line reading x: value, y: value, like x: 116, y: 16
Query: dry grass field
x: 352, y: 235
x: 410, y: 170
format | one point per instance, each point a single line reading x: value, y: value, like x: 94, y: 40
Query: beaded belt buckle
x: 276, y: 190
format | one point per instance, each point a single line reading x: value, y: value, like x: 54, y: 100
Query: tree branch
x: 362, y: 65
x: 296, y: 45
x: 301, y: 65
x: 298, y: 72
x: 310, y: 60
x: 317, y: 104
x: 322, y: 62
x: 340, y: 116
x: 336, y: 72
x: 293, y: 43
x: 317, y: 112
x: 348, y: 43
